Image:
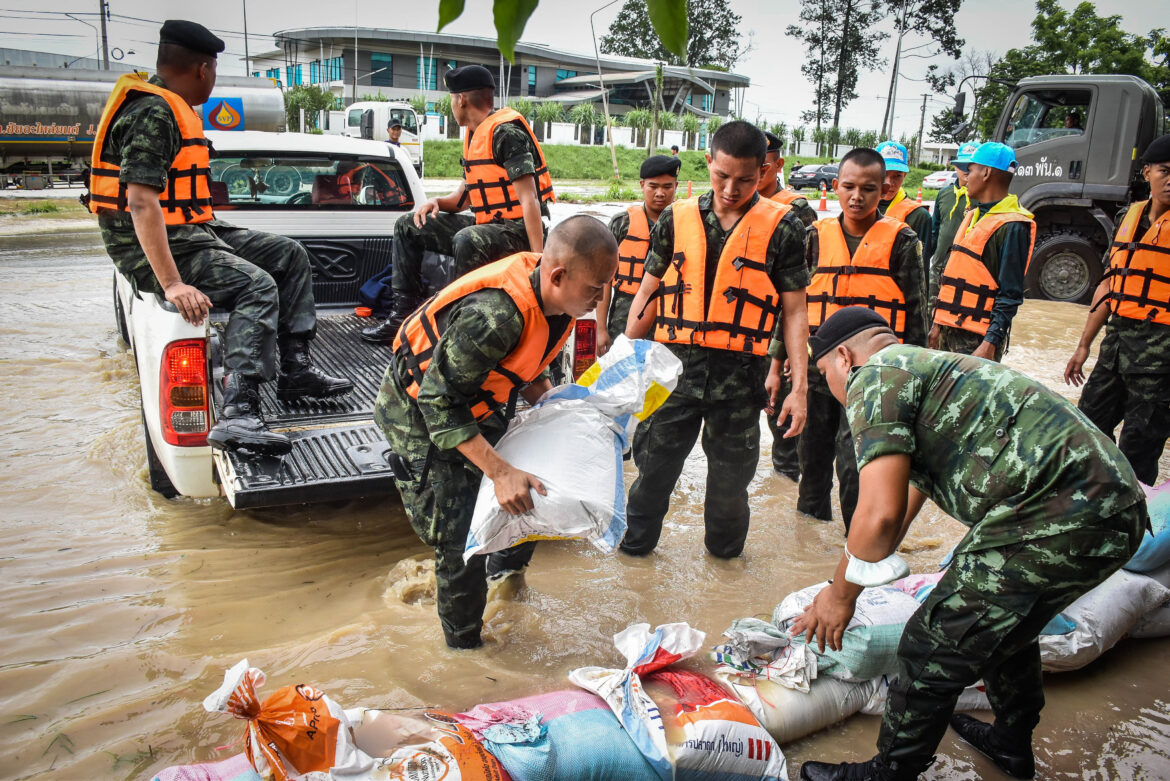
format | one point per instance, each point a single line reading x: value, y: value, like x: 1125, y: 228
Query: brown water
x: 120, y: 610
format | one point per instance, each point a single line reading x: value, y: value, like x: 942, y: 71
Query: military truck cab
x: 1077, y: 140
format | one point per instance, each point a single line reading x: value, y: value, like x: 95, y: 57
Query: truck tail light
x: 182, y: 397
x: 584, y: 346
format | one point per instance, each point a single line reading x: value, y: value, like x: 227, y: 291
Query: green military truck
x: 1078, y: 140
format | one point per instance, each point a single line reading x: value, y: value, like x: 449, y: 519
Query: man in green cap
x: 950, y: 206
x: 1052, y: 506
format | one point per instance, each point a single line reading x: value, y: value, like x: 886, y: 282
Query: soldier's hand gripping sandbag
x: 573, y: 441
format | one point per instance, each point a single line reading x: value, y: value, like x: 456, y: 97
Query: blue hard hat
x: 996, y: 155
x: 895, y: 156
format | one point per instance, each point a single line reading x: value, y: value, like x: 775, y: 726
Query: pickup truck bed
x: 337, y: 452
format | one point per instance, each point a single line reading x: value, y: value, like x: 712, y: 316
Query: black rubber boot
x: 385, y: 333
x: 1012, y: 756
x: 873, y: 770
x: 299, y: 378
x: 240, y: 426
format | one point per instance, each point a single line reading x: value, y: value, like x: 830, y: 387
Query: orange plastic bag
x: 453, y: 754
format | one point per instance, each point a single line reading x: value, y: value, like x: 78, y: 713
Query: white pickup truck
x: 287, y: 183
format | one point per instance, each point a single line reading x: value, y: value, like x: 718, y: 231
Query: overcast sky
x: 778, y: 91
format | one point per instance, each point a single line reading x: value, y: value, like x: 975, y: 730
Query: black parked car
x: 812, y: 176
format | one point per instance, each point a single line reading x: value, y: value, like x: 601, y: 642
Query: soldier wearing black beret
x: 147, y: 158
x: 506, y: 185
x: 1130, y: 385
x: 659, y: 183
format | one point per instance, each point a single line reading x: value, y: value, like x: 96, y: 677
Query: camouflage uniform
x: 265, y: 280
x: 720, y: 392
x: 949, y: 208
x: 480, y: 331
x: 1053, y: 509
x: 458, y: 235
x: 919, y: 222
x: 1006, y: 257
x: 1129, y: 385
x: 826, y: 418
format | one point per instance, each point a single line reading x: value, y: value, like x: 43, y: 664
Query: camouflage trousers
x: 1141, y: 404
x: 457, y: 235
x: 266, y: 281
x: 826, y: 441
x: 956, y: 340
x: 785, y: 452
x: 983, y: 620
x: 619, y: 313
x: 439, y: 499
x: 662, y: 442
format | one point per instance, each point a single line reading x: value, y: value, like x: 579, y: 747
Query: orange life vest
x: 632, y: 252
x: 901, y: 207
x: 1139, y: 271
x: 187, y: 197
x: 489, y: 189
x: 967, y: 290
x: 786, y: 196
x: 743, y: 302
x: 416, y: 339
x: 862, y: 280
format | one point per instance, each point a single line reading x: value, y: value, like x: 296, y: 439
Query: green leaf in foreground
x: 669, y: 18
x: 449, y: 11
x: 510, y: 17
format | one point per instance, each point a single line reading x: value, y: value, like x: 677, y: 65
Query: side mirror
x: 960, y: 104
x: 961, y: 132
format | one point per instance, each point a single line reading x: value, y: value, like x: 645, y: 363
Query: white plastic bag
x: 1102, y: 617
x: 573, y: 441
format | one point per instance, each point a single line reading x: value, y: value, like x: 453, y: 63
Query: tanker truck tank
x: 48, y: 116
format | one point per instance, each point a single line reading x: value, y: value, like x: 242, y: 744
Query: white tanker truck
x: 48, y: 117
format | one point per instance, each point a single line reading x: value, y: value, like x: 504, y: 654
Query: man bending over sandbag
x: 1053, y: 506
x: 459, y: 362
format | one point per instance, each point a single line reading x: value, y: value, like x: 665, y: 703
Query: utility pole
x: 891, y: 103
x: 247, y: 58
x: 921, y: 127
x: 103, y: 12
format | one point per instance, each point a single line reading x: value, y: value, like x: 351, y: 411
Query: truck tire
x: 154, y: 469
x: 120, y: 315
x: 1065, y: 267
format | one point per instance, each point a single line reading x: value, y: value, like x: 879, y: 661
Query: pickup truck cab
x: 340, y: 198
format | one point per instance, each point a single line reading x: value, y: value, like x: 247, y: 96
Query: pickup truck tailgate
x: 338, y: 452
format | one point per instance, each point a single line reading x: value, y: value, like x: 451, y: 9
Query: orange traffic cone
x: 689, y: 183
x: 919, y: 198
x: 824, y: 199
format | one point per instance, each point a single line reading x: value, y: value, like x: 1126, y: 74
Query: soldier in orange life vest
x: 1130, y: 384
x: 505, y: 184
x: 895, y: 203
x: 859, y: 259
x: 770, y: 183
x: 149, y: 185
x: 723, y: 268
x: 631, y: 228
x: 982, y: 285
x: 459, y: 363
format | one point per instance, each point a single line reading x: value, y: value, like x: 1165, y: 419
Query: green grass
x: 40, y: 206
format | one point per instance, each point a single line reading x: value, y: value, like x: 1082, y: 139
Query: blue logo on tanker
x: 223, y: 114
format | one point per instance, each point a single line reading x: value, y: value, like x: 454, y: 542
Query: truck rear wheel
x: 154, y: 469
x: 1064, y: 267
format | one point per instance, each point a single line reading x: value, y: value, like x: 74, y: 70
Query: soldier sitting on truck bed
x: 150, y: 188
x: 505, y: 183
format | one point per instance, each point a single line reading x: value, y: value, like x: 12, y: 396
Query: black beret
x: 1158, y: 151
x: 467, y: 78
x: 660, y: 165
x: 841, y: 325
x: 190, y: 35
x: 774, y: 143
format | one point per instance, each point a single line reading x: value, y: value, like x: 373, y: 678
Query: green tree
x: 443, y: 109
x: 668, y: 18
x: 585, y: 116
x: 419, y: 104
x: 691, y: 125
x: 713, y: 35
x: 312, y: 99
x: 640, y: 120
x: 943, y: 126
x: 522, y: 106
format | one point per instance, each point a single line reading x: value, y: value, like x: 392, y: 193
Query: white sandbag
x: 1156, y: 623
x: 1102, y: 617
x: 573, y: 441
x: 1154, y: 552
x: 869, y: 645
x: 974, y: 697
x: 789, y: 715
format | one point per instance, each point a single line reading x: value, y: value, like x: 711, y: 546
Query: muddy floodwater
x: 120, y: 610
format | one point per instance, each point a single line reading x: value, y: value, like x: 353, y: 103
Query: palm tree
x: 691, y: 125
x: 584, y: 115
x: 443, y: 108
x: 546, y: 113
x: 639, y: 119
x: 419, y: 104
x: 522, y: 106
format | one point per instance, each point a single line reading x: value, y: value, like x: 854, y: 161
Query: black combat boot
x: 873, y: 770
x: 240, y: 425
x: 1011, y: 754
x: 299, y: 378
x: 404, y: 306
